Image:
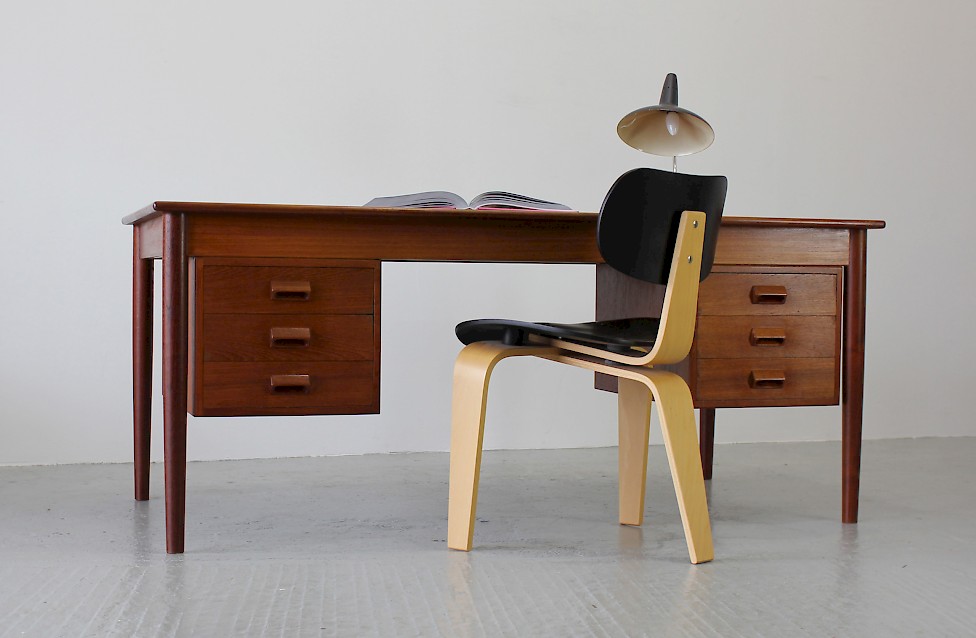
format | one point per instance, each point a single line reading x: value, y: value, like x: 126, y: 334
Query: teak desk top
x: 423, y: 234
x: 176, y: 232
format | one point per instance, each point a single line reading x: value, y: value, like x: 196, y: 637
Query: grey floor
x: 355, y: 546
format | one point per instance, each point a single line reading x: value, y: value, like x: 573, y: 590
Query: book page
x: 427, y: 199
x: 501, y: 199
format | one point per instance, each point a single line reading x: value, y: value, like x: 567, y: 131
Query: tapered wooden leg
x: 852, y: 375
x: 634, y: 424
x: 472, y: 371
x: 142, y: 321
x: 174, y: 377
x: 706, y: 439
x: 677, y: 415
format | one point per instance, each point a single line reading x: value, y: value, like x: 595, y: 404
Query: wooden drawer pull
x: 767, y: 379
x: 768, y: 294
x: 291, y: 290
x: 767, y: 337
x: 290, y: 337
x: 290, y: 383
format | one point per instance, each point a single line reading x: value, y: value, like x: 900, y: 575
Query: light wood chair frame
x: 639, y: 385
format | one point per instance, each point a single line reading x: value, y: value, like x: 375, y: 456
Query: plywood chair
x: 655, y: 226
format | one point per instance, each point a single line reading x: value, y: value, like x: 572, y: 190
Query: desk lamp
x: 666, y: 129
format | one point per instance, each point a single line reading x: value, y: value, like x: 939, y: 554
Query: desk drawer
x: 280, y: 289
x: 284, y: 336
x: 333, y: 387
x: 767, y: 381
x: 266, y: 337
x: 769, y: 293
x: 772, y: 336
x: 767, y: 336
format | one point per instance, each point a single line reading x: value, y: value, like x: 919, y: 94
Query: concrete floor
x: 355, y: 546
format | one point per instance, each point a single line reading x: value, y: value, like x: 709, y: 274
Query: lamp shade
x: 666, y: 129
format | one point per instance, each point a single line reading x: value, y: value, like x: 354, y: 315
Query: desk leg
x: 142, y: 356
x: 706, y: 439
x: 174, y: 376
x: 852, y: 389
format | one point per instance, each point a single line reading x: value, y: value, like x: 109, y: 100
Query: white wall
x: 839, y: 108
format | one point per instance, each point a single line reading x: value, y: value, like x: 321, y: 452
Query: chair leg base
x: 677, y: 415
x: 472, y: 371
x: 634, y: 425
x: 639, y: 388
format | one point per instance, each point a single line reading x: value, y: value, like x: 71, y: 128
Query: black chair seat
x: 618, y: 335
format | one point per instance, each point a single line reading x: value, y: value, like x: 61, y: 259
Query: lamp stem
x: 674, y: 164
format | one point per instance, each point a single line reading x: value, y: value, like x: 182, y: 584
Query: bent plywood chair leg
x: 634, y: 424
x: 468, y: 405
x: 472, y: 371
x: 676, y: 411
x: 677, y: 414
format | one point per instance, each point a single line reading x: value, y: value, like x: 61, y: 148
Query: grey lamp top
x: 666, y: 128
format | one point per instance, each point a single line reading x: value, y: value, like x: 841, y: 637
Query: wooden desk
x: 271, y: 309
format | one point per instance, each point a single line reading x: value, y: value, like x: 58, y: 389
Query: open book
x: 444, y: 199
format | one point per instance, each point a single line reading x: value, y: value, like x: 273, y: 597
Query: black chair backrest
x: 638, y: 222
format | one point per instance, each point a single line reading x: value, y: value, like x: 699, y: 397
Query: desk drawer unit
x: 767, y: 336
x: 276, y: 336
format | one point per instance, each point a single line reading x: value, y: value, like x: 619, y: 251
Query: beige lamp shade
x: 666, y: 129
